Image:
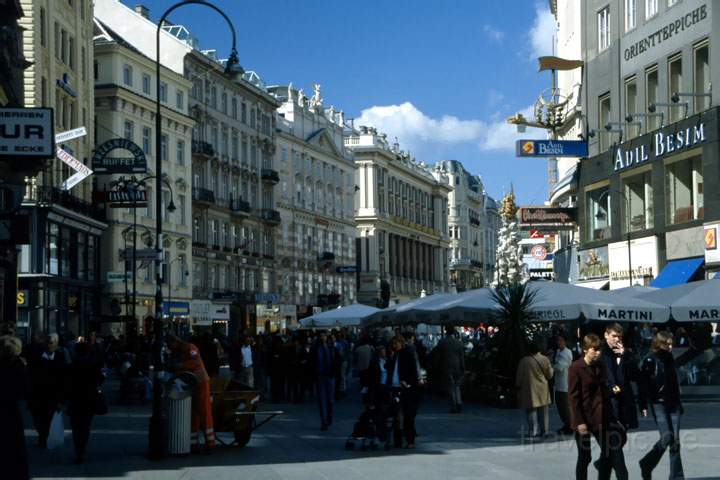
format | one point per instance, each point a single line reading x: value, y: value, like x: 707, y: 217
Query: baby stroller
x: 372, y: 427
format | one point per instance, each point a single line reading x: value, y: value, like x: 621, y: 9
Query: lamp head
x: 651, y: 108
x: 171, y: 206
x: 629, y: 118
x: 608, y: 127
x: 591, y: 133
x: 232, y: 66
x: 675, y: 98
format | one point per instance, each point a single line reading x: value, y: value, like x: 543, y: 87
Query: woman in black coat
x: 13, y: 456
x: 85, y: 379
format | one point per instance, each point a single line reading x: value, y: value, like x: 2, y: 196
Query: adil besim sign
x: 663, y: 143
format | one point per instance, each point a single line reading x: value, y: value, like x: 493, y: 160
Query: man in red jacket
x: 592, y: 413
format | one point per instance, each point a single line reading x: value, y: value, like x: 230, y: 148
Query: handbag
x: 56, y: 434
x: 101, y: 406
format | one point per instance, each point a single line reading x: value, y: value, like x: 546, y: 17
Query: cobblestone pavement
x: 481, y: 442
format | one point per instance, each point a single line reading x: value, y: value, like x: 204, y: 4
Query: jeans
x: 326, y: 397
x: 534, y: 427
x: 668, y: 423
x: 611, y: 456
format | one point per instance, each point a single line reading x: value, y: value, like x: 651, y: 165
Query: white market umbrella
x: 555, y: 302
x: 634, y: 291
x: 690, y: 302
x: 465, y: 308
x: 349, y: 316
x: 404, y: 313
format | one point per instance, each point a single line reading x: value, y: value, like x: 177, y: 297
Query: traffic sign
x: 70, y: 135
x: 538, y: 252
x: 551, y: 148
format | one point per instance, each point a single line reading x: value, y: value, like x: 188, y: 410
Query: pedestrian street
x: 482, y: 442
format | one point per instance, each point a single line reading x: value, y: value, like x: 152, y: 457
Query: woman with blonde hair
x: 13, y: 456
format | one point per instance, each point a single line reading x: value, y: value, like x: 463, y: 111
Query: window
x: 234, y: 109
x: 164, y: 147
x: 56, y: 28
x: 702, y: 76
x: 223, y: 103
x: 180, y: 99
x: 684, y: 190
x: 243, y: 113
x: 630, y: 14
x: 43, y: 92
x: 63, y: 46
x: 675, y: 85
x: 651, y: 96
x: 604, y: 28
x: 129, y: 133
x: 53, y: 247
x: 598, y: 213
x: 638, y: 202
x: 213, y: 97
x: 163, y: 91
x: 603, y: 119
x: 83, y: 63
x: 146, y: 135
x: 651, y: 8
x: 146, y: 83
x: 43, y: 27
x: 71, y: 52
x: 127, y: 75
x: 672, y: 2
x: 631, y: 106
x: 180, y: 152
x: 235, y: 148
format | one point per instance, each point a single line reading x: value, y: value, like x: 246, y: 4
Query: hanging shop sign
x: 102, y: 163
x: 126, y: 198
x: 81, y: 170
x: 176, y: 309
x: 551, y: 148
x: 593, y: 263
x: 548, y: 216
x: 27, y: 133
x: 658, y: 145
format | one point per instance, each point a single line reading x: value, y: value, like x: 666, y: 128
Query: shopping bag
x: 56, y: 436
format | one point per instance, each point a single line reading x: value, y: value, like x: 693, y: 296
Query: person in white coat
x: 561, y: 363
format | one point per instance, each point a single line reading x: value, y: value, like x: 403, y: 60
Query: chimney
x: 142, y: 10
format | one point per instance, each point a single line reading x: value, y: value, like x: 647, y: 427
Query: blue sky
x: 441, y: 75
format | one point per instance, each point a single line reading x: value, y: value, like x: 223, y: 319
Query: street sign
x: 27, y: 132
x: 140, y: 254
x: 117, y: 277
x: 70, y: 135
x: 137, y: 163
x: 81, y: 170
x: 551, y: 148
x: 538, y: 252
x: 346, y: 269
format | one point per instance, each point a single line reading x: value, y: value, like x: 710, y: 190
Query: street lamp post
x: 180, y: 258
x: 627, y: 226
x: 156, y: 433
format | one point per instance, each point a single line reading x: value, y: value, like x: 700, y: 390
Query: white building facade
x: 401, y: 218
x: 316, y: 239
x: 124, y: 108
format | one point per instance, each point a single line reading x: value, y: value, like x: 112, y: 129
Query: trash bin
x: 179, y: 401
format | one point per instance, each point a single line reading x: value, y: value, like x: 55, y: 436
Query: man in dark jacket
x: 325, y: 365
x: 592, y: 413
x: 450, y: 358
x: 402, y: 380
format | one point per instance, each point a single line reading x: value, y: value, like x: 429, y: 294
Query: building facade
x: 125, y: 108
x: 401, y: 218
x: 234, y: 215
x: 647, y: 199
x: 59, y: 273
x: 316, y: 241
x: 472, y: 233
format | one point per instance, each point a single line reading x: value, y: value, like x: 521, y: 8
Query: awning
x: 595, y: 284
x: 677, y: 272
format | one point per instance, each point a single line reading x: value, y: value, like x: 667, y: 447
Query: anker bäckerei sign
x: 671, y: 140
x: 547, y: 216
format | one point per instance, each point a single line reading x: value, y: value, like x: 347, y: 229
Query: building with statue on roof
x: 472, y: 226
x: 316, y: 239
x: 401, y: 218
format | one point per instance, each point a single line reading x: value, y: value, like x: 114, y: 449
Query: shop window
x: 638, y: 202
x: 603, y: 119
x: 675, y: 85
x: 598, y: 213
x: 603, y: 28
x: 684, y: 190
x: 651, y: 96
x: 702, y: 76
x: 65, y: 252
x: 92, y: 258
x: 631, y: 106
x: 53, y: 249
x: 82, y: 264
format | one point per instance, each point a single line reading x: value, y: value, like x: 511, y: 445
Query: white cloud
x: 495, y: 97
x: 493, y: 33
x: 420, y: 133
x: 543, y: 31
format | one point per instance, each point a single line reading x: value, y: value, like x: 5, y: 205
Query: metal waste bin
x: 179, y: 410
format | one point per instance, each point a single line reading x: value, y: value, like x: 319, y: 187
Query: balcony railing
x: 326, y: 257
x: 270, y: 215
x: 202, y: 148
x: 270, y: 175
x: 203, y: 195
x: 63, y: 198
x: 240, y: 206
